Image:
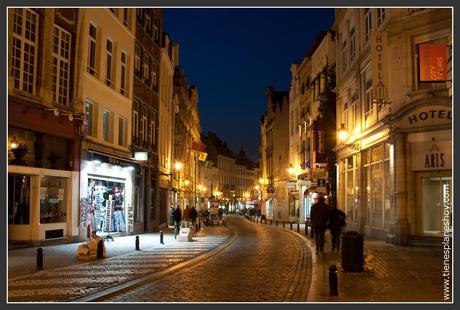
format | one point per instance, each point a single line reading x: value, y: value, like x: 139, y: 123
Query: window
x: 18, y: 199
x: 344, y: 55
x: 122, y: 130
x: 126, y: 17
x: 146, y: 69
x: 368, y: 94
x: 92, y: 50
x: 152, y: 132
x: 367, y: 25
x: 25, y: 44
x: 137, y: 61
x: 108, y: 69
x: 354, y: 114
x: 345, y: 114
x: 123, y: 84
x: 156, y: 30
x: 61, y: 65
x: 89, y: 113
x: 107, y: 126
x: 135, y: 124
x: 153, y: 73
x: 380, y: 16
x: 352, y: 45
x: 53, y: 202
x: 144, y: 129
x: 147, y: 25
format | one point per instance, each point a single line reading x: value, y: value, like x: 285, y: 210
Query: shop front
x: 43, y: 164
x: 108, y: 195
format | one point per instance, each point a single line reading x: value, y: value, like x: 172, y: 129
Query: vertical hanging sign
x: 379, y: 60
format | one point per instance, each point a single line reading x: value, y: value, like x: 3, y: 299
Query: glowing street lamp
x: 342, y: 133
x: 178, y: 165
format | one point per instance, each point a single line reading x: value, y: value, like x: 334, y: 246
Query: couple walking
x: 323, y: 217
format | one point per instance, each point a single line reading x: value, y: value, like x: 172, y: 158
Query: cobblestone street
x: 264, y: 265
x: 80, y: 279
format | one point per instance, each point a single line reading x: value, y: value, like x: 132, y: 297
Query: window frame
x: 31, y: 87
x: 57, y: 69
x: 109, y: 63
x: 107, y: 125
x: 92, y: 50
x: 123, y: 73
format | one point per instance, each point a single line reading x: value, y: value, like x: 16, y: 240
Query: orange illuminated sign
x: 432, y: 62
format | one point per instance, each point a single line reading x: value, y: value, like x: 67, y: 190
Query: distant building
x: 187, y: 131
x: 274, y: 126
x: 228, y: 177
x: 395, y: 161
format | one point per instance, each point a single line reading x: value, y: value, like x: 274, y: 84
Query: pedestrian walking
x: 319, y: 217
x: 187, y: 214
x: 178, y: 217
x: 171, y: 216
x: 336, y: 222
x: 193, y: 215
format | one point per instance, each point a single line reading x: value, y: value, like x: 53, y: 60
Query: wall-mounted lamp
x: 343, y: 135
x: 55, y: 111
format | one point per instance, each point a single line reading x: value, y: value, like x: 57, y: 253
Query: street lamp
x: 343, y: 135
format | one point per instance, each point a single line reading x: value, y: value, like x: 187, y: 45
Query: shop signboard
x: 432, y: 62
x: 434, y: 155
x: 379, y: 66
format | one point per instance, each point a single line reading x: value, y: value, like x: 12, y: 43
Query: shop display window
x: 53, y: 199
x: 18, y: 199
x: 105, y: 211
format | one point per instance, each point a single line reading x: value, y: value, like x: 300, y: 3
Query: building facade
x: 274, y: 149
x: 108, y: 201
x: 44, y: 125
x: 145, y: 115
x: 395, y: 158
x: 169, y: 59
x: 187, y: 133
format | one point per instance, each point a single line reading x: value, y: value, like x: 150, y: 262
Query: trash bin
x: 352, y: 251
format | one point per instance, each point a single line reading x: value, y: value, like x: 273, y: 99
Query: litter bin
x: 352, y: 251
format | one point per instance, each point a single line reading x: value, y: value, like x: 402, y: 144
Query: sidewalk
x: 23, y: 261
x: 401, y: 273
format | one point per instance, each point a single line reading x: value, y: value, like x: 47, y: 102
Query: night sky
x: 232, y: 55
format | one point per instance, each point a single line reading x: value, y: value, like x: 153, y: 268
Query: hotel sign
x: 435, y: 155
x: 432, y: 61
x: 427, y: 116
x: 379, y: 51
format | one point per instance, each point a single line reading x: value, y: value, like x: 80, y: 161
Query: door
x: 434, y: 202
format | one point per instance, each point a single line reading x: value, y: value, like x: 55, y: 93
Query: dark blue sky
x: 232, y: 55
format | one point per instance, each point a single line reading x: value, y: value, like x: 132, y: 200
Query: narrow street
x: 264, y: 264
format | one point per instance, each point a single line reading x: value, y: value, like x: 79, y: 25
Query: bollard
x: 271, y: 222
x: 175, y: 233
x: 283, y: 224
x: 39, y: 259
x: 291, y: 225
x: 298, y: 227
x: 199, y: 225
x: 161, y: 237
x: 137, y: 243
x: 306, y: 228
x: 100, y: 249
x: 333, y: 285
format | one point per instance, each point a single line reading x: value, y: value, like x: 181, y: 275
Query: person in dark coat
x: 336, y: 222
x: 193, y: 215
x: 178, y: 217
x: 319, y: 217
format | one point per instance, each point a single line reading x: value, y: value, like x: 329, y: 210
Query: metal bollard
x: 306, y: 229
x: 100, y: 249
x: 271, y: 222
x: 137, y: 243
x: 199, y: 225
x: 175, y: 233
x: 291, y: 225
x: 298, y: 227
x: 283, y: 224
x: 333, y: 285
x: 161, y: 237
x: 39, y: 259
